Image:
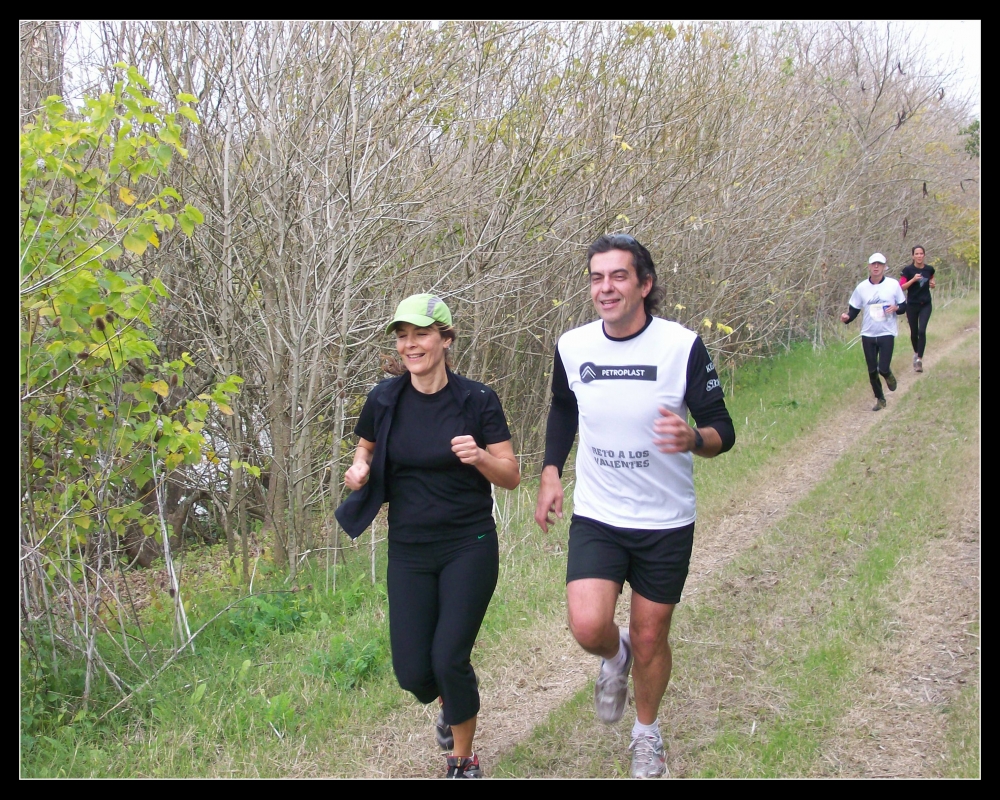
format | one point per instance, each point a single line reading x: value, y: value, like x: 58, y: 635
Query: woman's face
x: 422, y: 350
x: 918, y: 257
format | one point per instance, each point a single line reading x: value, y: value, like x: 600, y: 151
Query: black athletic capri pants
x: 654, y: 562
x: 918, y: 315
x: 878, y: 356
x: 438, y: 596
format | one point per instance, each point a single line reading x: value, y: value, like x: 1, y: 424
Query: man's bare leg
x: 591, y: 608
x: 649, y: 630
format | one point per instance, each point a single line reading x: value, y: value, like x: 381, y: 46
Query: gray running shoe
x: 890, y: 381
x: 916, y: 358
x: 648, y: 758
x: 442, y: 732
x: 879, y: 404
x: 918, y: 364
x: 611, y: 689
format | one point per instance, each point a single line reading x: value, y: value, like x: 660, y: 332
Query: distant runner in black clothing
x: 431, y: 442
x: 918, y: 279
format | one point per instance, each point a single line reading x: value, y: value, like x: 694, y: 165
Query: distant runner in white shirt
x: 882, y: 300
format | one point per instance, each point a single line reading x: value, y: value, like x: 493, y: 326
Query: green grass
x: 281, y: 679
x: 278, y: 665
x: 965, y: 730
x: 288, y: 684
x: 894, y: 514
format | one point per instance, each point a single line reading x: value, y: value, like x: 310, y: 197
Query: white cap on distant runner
x: 877, y: 258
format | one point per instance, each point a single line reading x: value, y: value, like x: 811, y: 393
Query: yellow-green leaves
x: 134, y: 244
x: 188, y: 218
x: 708, y: 324
x: 102, y: 416
x: 255, y: 471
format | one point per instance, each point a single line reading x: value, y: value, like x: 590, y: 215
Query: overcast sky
x: 958, y: 44
x: 955, y: 43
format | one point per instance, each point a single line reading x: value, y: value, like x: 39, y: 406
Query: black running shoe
x: 442, y: 732
x: 879, y: 404
x: 890, y: 381
x: 464, y: 767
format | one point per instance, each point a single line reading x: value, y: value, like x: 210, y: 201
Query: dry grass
x: 899, y: 723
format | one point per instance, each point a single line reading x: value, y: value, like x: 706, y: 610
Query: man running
x: 627, y: 382
x: 883, y: 300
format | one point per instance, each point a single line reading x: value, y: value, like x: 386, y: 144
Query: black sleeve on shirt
x: 704, y: 396
x: 365, y: 427
x: 852, y: 312
x: 492, y: 421
x: 560, y: 430
x: 901, y: 308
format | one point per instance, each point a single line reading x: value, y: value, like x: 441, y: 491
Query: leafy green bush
x: 278, y: 611
x: 103, y: 418
x: 346, y: 664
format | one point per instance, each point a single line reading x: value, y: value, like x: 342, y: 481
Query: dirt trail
x: 897, y: 726
x: 518, y: 697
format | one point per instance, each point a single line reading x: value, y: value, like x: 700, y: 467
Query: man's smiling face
x: 617, y: 294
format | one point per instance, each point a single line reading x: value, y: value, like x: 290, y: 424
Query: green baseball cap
x: 421, y: 310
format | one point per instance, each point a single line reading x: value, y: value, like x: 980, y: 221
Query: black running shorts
x: 655, y: 563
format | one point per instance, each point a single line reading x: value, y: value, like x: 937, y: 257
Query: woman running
x: 918, y: 279
x: 431, y: 443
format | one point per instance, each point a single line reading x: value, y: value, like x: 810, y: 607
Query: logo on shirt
x: 712, y: 384
x: 634, y: 372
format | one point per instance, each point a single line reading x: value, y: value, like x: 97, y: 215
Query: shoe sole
x: 650, y: 777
